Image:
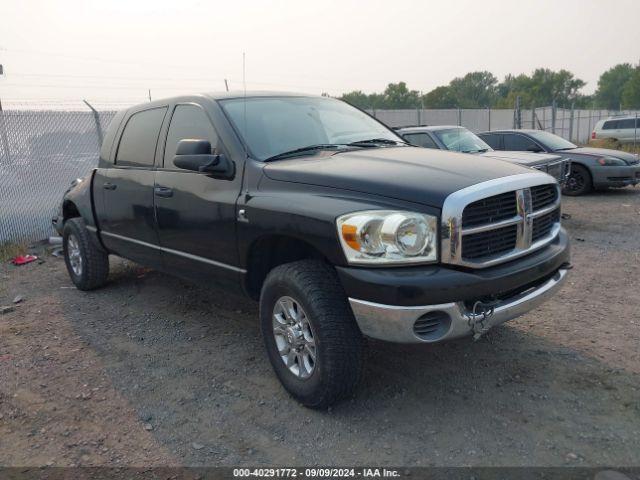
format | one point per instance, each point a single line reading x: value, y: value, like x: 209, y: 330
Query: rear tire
x: 88, y: 266
x: 579, y: 182
x: 304, y: 309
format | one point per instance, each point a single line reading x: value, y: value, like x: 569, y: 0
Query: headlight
x: 612, y: 162
x: 388, y: 237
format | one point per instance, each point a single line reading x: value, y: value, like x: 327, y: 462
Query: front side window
x: 139, y: 139
x: 420, y: 139
x: 492, y: 139
x: 270, y: 126
x: 462, y: 140
x: 187, y: 121
x: 520, y: 143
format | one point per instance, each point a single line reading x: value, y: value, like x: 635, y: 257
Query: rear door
x: 128, y: 225
x: 196, y: 212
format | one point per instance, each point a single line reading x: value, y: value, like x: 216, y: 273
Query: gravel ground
x: 150, y: 370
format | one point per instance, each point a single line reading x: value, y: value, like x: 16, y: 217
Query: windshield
x: 462, y: 140
x: 275, y: 125
x: 551, y: 141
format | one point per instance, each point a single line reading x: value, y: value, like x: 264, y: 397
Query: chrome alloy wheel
x: 294, y: 337
x: 74, y: 254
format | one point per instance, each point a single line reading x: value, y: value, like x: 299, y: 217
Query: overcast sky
x: 114, y: 50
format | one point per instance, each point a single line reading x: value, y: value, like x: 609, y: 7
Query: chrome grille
x: 490, y: 209
x: 496, y: 221
x: 543, y: 196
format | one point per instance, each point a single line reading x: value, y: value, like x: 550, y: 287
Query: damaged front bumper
x: 436, y: 323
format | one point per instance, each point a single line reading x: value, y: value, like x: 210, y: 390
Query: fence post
x: 571, y: 116
x: 418, y: 116
x: 635, y: 133
x: 489, y: 118
x: 533, y: 116
x: 5, y: 137
x: 459, y: 117
x: 554, y: 108
x: 96, y: 118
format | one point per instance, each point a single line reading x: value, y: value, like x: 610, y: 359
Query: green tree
x: 440, y: 97
x: 631, y: 91
x: 611, y: 84
x: 541, y: 88
x: 397, y: 95
x: 474, y: 90
x: 357, y: 98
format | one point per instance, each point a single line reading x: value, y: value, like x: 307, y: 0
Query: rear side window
x: 138, y: 142
x: 627, y: 123
x: 519, y: 143
x: 610, y: 125
x: 420, y: 139
x: 187, y: 121
x: 492, y: 140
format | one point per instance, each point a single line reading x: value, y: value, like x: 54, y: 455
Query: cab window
x: 140, y: 137
x: 187, y: 121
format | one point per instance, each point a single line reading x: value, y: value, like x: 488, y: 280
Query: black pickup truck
x: 338, y: 227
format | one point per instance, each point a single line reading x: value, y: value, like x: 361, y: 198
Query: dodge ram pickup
x: 330, y: 220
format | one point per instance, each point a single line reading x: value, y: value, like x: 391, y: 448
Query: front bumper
x: 604, y: 176
x: 393, y: 303
x: 436, y: 323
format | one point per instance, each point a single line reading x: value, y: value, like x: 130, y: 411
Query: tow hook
x: 477, y: 319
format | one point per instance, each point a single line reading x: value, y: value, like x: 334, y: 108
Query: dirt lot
x: 152, y: 371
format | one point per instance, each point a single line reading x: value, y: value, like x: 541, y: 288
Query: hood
x: 529, y: 159
x: 630, y: 158
x: 418, y: 175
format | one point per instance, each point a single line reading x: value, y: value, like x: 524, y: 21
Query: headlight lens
x: 388, y: 237
x: 611, y: 162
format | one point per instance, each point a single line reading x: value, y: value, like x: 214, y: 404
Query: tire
x: 339, y: 346
x: 579, y: 182
x: 80, y: 250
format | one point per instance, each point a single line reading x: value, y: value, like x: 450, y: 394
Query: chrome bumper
x: 448, y: 320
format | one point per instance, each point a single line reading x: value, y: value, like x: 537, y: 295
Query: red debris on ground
x: 24, y: 259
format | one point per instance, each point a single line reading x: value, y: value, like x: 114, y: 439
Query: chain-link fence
x: 44, y: 147
x: 41, y: 152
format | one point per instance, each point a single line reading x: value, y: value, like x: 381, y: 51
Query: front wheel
x: 312, y: 340
x: 579, y: 181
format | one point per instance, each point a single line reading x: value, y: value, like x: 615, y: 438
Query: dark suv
x: 339, y: 228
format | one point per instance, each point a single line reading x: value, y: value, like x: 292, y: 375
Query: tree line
x: 618, y: 88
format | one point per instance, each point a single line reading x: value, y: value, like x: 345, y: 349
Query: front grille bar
x: 453, y: 208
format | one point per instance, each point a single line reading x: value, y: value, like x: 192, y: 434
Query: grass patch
x: 11, y: 250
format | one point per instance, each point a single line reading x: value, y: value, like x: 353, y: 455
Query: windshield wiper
x: 565, y: 148
x: 376, y: 141
x: 310, y: 148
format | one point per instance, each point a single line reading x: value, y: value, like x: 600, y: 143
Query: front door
x: 129, y: 226
x: 196, y: 213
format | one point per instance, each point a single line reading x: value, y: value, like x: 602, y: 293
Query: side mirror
x: 534, y: 149
x: 195, y: 155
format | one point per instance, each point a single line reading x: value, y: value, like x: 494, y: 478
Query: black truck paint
x: 241, y: 227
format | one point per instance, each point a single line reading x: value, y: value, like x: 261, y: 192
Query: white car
x: 621, y: 129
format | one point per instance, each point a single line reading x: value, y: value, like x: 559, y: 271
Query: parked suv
x: 619, y: 129
x: 330, y: 220
x: 459, y: 139
x: 590, y: 167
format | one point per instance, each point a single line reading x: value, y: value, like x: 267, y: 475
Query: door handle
x: 164, y: 192
x: 109, y: 186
